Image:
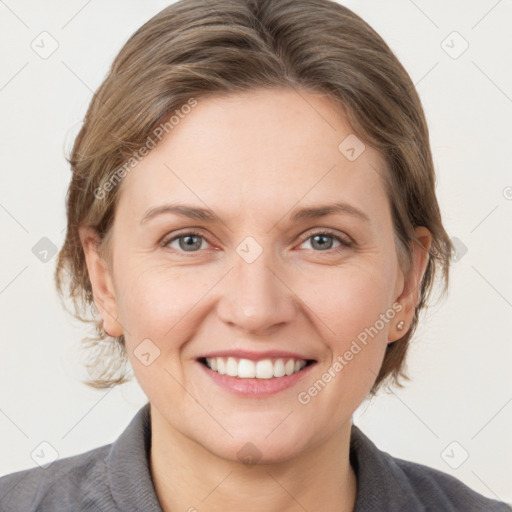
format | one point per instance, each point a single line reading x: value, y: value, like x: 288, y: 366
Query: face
x: 258, y: 280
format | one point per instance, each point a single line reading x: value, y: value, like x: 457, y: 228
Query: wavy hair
x: 200, y: 48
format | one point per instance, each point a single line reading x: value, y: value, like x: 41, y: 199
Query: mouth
x: 270, y: 368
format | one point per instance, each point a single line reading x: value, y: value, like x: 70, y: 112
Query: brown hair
x: 199, y: 48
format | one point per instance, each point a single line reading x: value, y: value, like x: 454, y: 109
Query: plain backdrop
x: 454, y: 415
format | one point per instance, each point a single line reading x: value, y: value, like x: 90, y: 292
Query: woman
x: 252, y: 214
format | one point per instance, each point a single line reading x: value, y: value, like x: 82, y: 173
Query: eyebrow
x: 299, y: 214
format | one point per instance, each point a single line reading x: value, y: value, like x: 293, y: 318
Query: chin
x: 249, y: 453
x: 254, y: 444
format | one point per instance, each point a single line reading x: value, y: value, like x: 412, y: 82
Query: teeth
x: 279, y: 370
x: 264, y: 369
x: 221, y: 365
x: 247, y: 369
x: 231, y: 367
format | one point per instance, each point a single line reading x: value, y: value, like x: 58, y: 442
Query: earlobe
x: 409, y: 296
x: 101, y: 282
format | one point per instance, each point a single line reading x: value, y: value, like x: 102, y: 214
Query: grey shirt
x: 116, y: 477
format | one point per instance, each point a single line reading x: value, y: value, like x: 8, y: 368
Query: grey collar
x: 381, y: 483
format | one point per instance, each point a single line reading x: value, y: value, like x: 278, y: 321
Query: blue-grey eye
x: 188, y: 242
x: 322, y: 241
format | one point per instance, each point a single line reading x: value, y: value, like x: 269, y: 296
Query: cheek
x: 153, y: 308
x: 156, y: 298
x: 350, y: 299
x: 353, y: 315
x: 161, y: 309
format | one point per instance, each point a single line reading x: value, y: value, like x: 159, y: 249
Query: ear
x: 409, y: 295
x: 101, y: 281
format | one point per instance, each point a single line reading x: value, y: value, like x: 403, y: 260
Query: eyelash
x: 345, y: 242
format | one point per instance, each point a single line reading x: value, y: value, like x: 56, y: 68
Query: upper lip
x: 255, y: 356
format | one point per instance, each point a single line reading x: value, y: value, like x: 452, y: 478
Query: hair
x: 201, y: 48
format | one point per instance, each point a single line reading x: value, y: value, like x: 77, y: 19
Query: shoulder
x: 66, y: 484
x: 112, y: 478
x: 440, y: 491
x: 389, y: 483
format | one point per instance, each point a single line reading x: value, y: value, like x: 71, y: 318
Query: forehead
x: 257, y: 152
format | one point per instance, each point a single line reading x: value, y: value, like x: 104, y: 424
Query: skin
x: 252, y: 158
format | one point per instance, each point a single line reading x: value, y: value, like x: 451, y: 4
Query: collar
x: 381, y: 483
x: 128, y: 472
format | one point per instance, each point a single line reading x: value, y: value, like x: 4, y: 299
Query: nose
x: 256, y: 298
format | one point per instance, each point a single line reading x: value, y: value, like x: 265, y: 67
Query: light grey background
x: 460, y: 399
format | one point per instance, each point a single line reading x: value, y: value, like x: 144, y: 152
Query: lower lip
x: 256, y: 387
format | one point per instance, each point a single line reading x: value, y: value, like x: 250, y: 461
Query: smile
x: 249, y: 369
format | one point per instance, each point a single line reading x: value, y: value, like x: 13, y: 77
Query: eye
x: 323, y: 240
x: 191, y: 241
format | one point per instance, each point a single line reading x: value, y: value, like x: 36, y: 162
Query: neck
x: 187, y: 477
